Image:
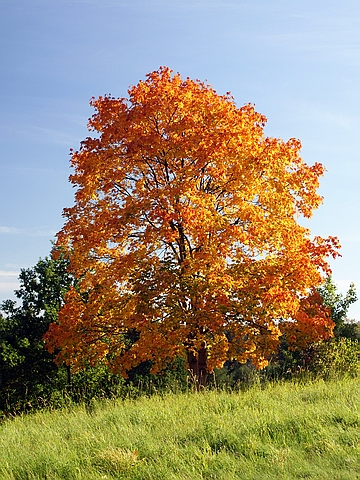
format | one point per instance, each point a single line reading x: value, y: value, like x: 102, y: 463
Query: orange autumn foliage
x: 310, y: 324
x: 184, y: 234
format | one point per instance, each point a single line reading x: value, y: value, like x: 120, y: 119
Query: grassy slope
x: 283, y: 432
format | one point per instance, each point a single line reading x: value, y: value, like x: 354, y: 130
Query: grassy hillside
x: 287, y: 431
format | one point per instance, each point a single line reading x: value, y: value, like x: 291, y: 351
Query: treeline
x: 30, y: 379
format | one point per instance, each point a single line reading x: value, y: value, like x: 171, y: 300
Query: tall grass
x: 283, y: 431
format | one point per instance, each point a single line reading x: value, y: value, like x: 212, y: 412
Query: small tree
x: 339, y: 306
x: 184, y: 232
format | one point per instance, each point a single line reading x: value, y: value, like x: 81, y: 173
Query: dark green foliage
x: 175, y: 378
x: 329, y: 359
x: 325, y: 359
x: 235, y: 376
x: 27, y: 370
x: 92, y: 383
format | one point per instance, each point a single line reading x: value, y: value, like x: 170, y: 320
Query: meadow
x: 289, y: 430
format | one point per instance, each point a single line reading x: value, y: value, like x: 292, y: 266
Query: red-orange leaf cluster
x: 311, y: 323
x: 184, y: 234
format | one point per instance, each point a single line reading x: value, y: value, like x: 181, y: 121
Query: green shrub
x: 333, y: 358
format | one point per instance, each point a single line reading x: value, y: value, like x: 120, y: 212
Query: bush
x: 333, y: 358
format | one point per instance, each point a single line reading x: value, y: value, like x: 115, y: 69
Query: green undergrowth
x: 282, y: 431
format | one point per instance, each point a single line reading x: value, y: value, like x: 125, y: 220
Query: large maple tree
x: 185, y: 234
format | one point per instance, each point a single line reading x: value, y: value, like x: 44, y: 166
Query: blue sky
x: 297, y: 61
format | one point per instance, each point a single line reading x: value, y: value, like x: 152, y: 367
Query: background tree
x: 29, y: 377
x: 185, y: 233
x: 339, y: 306
x: 27, y: 370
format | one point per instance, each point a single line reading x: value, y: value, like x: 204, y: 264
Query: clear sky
x: 298, y: 61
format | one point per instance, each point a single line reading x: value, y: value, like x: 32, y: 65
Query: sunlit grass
x: 287, y: 431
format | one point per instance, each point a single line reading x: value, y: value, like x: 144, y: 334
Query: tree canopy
x: 185, y: 235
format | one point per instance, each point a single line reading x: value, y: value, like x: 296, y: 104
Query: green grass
x: 285, y: 431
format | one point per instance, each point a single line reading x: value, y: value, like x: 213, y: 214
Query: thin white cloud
x: 54, y: 136
x: 10, y: 230
x: 40, y: 232
x: 8, y: 273
x: 31, y: 232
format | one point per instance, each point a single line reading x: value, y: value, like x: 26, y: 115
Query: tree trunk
x: 198, y: 366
